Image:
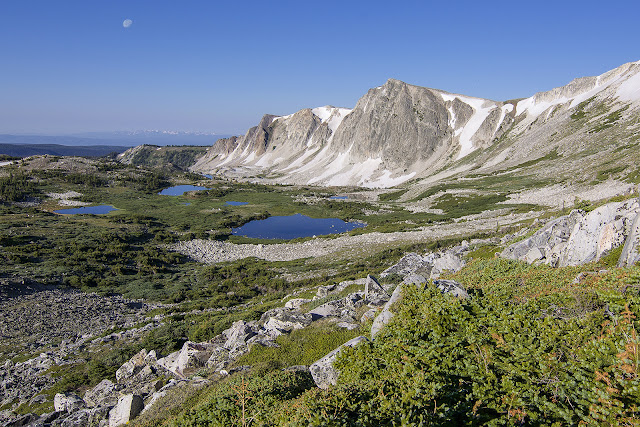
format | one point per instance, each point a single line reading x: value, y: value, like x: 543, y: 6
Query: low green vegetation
x: 532, y: 346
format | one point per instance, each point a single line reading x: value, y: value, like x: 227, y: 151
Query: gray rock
x: 127, y: 408
x: 369, y: 315
x: 296, y: 303
x: 534, y: 254
x: 132, y: 366
x: 631, y: 251
x: 323, y: 372
x: 409, y: 263
x: 579, y: 237
x: 105, y: 393
x: 67, y: 402
x: 386, y: 314
x: 282, y: 321
x: 238, y: 334
x: 414, y: 279
x: 372, y: 289
x: 598, y: 232
x: 451, y: 287
x: 189, y: 358
x: 328, y: 309
x: 219, y: 359
x: 446, y: 261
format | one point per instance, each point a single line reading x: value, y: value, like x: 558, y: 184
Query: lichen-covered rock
x: 105, y: 393
x: 431, y: 265
x: 67, y: 402
x: 323, y: 372
x: 238, y: 334
x: 132, y: 366
x: 451, y: 287
x: 296, y: 303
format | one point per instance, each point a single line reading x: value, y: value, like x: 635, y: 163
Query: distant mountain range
x: 399, y: 132
x: 98, y: 143
x: 26, y: 150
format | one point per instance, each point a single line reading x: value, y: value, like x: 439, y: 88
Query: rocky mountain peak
x: 398, y: 131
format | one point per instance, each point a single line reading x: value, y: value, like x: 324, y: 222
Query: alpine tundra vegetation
x: 494, y: 280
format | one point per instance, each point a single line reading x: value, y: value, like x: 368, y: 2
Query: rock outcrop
x: 394, y: 132
x: 323, y: 372
x: 582, y: 237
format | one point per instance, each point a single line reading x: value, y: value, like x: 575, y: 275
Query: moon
x: 127, y: 23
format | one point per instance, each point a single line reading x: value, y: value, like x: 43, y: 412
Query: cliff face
x: 397, y: 132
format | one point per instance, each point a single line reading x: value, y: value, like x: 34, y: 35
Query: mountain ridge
x: 399, y: 132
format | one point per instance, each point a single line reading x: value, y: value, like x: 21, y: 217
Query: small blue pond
x: 237, y: 203
x: 179, y: 190
x: 339, y: 197
x: 206, y: 175
x: 294, y: 226
x: 94, y: 210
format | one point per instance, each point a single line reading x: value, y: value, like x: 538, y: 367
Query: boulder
x: 373, y: 289
x: 105, y: 393
x: 446, y: 261
x: 409, y: 263
x: 238, y: 334
x: 631, y: 250
x: 414, y: 279
x: 581, y: 237
x: 131, y: 367
x: 451, y: 287
x: 323, y: 372
x: 281, y: 321
x: 328, y: 309
x: 386, y: 314
x: 554, y: 234
x: 127, y: 408
x: 191, y: 356
x: 296, y: 303
x: 219, y: 359
x: 598, y: 232
x: 431, y: 265
x: 67, y: 402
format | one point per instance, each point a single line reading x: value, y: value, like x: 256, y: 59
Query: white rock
x: 127, y: 408
x: 68, y: 402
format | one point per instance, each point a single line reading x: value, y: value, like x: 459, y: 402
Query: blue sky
x: 70, y: 66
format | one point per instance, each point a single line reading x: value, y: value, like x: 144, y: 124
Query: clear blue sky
x: 71, y: 66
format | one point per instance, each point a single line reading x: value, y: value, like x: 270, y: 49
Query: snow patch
x: 629, y: 90
x: 339, y: 163
x: 385, y: 181
x: 282, y: 117
x: 300, y: 160
x: 331, y: 115
x: 471, y: 127
x: 359, y: 171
